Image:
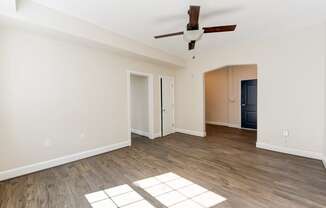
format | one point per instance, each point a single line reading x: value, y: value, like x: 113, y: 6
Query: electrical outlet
x: 286, y: 133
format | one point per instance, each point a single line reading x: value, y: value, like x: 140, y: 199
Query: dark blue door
x: 249, y: 104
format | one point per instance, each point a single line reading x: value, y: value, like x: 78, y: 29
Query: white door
x: 167, y: 105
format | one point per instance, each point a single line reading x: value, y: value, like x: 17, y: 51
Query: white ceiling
x: 142, y: 19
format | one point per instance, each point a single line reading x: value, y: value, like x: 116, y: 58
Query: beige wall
x: 60, y: 97
x: 223, y: 94
x: 139, y: 104
x: 216, y: 96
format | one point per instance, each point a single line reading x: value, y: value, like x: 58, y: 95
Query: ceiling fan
x: 193, y: 32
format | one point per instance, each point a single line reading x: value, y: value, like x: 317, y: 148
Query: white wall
x: 7, y: 6
x: 223, y: 94
x: 139, y: 104
x: 324, y: 160
x: 291, y: 76
x: 60, y: 97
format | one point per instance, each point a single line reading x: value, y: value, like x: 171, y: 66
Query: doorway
x: 167, y: 105
x: 140, y: 104
x: 231, y: 102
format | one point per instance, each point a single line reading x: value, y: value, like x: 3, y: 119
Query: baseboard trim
x: 16, y: 172
x: 217, y: 123
x: 228, y: 125
x: 156, y: 135
x: 224, y: 124
x: 190, y: 132
x: 146, y: 134
x: 141, y: 133
x: 291, y: 151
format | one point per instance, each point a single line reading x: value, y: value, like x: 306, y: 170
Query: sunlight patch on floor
x: 177, y: 192
x: 119, y: 196
x: 169, y: 189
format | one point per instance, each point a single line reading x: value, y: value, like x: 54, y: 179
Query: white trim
x: 190, y: 132
x: 228, y: 125
x: 12, y: 173
x: 150, y: 79
x: 290, y: 151
x: 160, y: 103
x: 217, y: 123
x: 146, y: 134
x: 140, y: 132
x: 324, y: 161
x: 156, y: 135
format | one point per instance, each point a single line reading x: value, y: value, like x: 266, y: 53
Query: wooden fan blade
x: 191, y: 45
x: 226, y: 28
x: 168, y: 35
x: 193, y: 18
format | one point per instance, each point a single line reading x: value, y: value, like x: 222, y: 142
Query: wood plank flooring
x: 226, y: 162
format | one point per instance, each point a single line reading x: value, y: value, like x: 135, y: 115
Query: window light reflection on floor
x: 116, y: 197
x: 169, y: 189
x: 174, y: 191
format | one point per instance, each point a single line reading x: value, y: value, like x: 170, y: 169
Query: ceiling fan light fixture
x: 192, y: 35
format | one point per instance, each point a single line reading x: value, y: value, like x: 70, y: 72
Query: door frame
x: 241, y: 106
x: 150, y: 79
x: 161, y: 104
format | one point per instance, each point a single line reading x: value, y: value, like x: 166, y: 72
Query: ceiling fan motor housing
x: 193, y: 35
